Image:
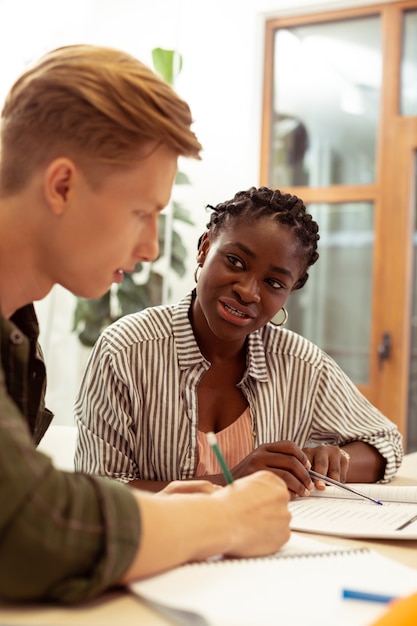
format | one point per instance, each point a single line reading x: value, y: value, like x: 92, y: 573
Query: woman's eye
x: 274, y: 283
x: 235, y: 261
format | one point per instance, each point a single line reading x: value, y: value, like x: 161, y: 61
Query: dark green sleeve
x: 63, y: 536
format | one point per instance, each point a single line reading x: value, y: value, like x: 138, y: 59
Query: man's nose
x: 147, y: 247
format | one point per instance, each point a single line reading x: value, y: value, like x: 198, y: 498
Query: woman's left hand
x: 330, y: 461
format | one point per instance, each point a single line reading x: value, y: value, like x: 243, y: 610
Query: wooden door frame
x: 393, y: 259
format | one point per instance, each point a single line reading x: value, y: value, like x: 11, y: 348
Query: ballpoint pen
x: 366, y: 596
x: 336, y: 483
x: 212, y: 439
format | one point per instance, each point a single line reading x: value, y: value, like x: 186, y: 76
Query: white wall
x: 222, y: 46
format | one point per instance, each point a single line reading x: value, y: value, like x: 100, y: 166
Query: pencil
x: 336, y: 483
x: 212, y: 439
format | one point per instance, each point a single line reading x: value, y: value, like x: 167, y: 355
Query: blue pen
x: 212, y: 439
x: 354, y: 594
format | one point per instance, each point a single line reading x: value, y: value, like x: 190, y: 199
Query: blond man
x: 90, y: 139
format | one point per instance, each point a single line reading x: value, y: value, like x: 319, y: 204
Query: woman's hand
x: 355, y: 462
x: 285, y: 459
x: 330, y: 461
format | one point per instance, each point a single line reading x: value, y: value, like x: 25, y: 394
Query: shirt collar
x: 26, y: 321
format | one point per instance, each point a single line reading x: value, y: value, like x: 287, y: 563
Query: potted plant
x: 144, y: 286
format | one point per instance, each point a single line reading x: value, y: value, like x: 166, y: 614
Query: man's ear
x: 58, y: 182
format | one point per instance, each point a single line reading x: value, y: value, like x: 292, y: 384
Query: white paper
x: 281, y: 591
x: 354, y: 517
x: 385, y: 493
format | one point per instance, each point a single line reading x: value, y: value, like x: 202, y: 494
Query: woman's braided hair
x: 257, y: 203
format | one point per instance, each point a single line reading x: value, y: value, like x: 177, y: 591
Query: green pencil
x: 212, y: 439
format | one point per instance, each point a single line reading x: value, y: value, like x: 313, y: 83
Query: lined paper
x: 352, y: 517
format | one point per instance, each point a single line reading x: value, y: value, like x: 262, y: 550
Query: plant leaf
x: 168, y: 63
x: 180, y: 213
x: 178, y: 254
x: 92, y: 316
x: 182, y: 179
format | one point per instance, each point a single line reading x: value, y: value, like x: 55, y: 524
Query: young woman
x: 159, y: 380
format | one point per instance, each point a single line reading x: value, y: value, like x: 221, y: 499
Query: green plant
x: 144, y: 286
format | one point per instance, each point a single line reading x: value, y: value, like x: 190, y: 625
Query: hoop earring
x: 277, y: 321
x: 196, y: 273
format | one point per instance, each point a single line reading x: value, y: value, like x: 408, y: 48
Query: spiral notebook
x: 302, y: 584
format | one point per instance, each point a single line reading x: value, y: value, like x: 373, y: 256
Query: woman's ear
x: 58, y: 182
x: 203, y: 248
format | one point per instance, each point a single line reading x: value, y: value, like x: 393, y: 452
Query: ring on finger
x: 345, y: 454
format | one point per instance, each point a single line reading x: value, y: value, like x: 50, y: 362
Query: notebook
x: 302, y: 584
x: 337, y: 512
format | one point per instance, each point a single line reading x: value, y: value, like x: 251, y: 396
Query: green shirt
x: 63, y: 536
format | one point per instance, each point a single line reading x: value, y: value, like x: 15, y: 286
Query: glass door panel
x: 339, y: 130
x: 408, y: 94
x: 326, y: 100
x: 333, y: 309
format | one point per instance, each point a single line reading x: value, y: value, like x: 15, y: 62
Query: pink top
x: 235, y: 442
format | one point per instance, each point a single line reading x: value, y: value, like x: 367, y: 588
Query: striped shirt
x: 137, y: 407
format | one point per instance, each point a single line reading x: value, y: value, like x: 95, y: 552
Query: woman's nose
x: 248, y: 289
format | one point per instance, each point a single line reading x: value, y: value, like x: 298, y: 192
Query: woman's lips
x: 234, y: 313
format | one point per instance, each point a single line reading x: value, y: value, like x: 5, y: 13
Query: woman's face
x: 247, y: 274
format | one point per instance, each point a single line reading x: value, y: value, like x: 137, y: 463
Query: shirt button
x: 16, y: 338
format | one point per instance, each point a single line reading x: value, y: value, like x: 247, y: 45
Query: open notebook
x: 337, y: 512
x: 302, y: 584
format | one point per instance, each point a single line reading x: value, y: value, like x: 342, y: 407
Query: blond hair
x: 98, y: 105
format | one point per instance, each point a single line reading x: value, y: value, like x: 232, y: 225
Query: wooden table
x: 121, y: 607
